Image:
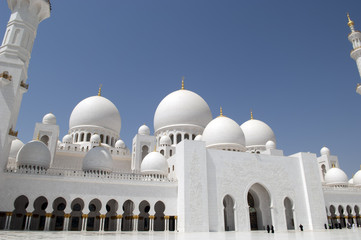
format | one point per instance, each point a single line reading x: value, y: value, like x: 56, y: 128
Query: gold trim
x: 13, y: 133
x: 166, y: 217
x: 119, y: 216
x: 175, y: 217
x: 84, y: 216
x: 24, y: 85
x: 48, y: 215
x: 29, y: 214
x: 151, y: 217
x: 9, y: 214
x: 135, y: 217
x: 6, y: 75
x: 102, y: 216
x: 67, y: 215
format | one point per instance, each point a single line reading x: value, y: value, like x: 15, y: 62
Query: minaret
x: 355, y: 38
x: 15, y: 53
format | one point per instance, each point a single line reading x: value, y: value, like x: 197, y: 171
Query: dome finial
x: 350, y: 23
x: 220, y: 112
x: 333, y: 165
x: 251, y: 115
x: 100, y: 90
x: 38, y: 137
x: 183, y: 83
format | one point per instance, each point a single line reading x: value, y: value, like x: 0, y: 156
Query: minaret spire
x: 355, y: 38
x: 251, y: 115
x: 182, y: 83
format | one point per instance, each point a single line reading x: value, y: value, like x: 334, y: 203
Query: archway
x: 159, y: 224
x: 18, y: 218
x: 349, y: 214
x: 333, y: 216
x: 127, y: 220
x: 93, y: 222
x: 228, y: 211
x: 342, y: 216
x: 75, y: 220
x: 357, y: 214
x: 289, y: 214
x: 39, y: 214
x: 57, y: 218
x: 259, y: 203
x: 45, y: 139
x: 145, y: 151
x: 143, y: 222
x: 110, y: 223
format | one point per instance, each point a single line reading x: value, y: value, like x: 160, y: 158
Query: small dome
x: 34, y: 153
x: 120, y: 144
x: 49, y: 119
x: 165, y: 141
x: 182, y: 108
x: 95, y: 139
x: 336, y: 176
x: 96, y: 111
x: 15, y: 147
x: 198, y: 138
x: 98, y: 158
x: 223, y: 132
x: 357, y: 178
x: 257, y: 133
x: 144, y: 130
x: 325, y: 151
x: 270, y: 144
x: 67, y: 139
x: 154, y: 163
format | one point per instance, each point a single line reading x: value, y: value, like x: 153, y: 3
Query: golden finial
x: 350, y: 22
x: 38, y: 137
x: 251, y: 114
x: 183, y: 83
x: 100, y: 90
x: 333, y: 165
x: 221, y: 112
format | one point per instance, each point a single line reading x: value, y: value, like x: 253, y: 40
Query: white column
x: 166, y: 219
x: 85, y: 217
x: 47, y: 221
x: 66, y: 222
x: 151, y: 223
x: 102, y: 222
x: 28, y: 221
x: 119, y: 220
x: 135, y: 223
x: 8, y: 220
x: 176, y: 223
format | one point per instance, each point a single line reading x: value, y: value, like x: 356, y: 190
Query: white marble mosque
x: 196, y: 173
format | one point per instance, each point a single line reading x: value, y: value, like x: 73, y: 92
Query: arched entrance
x: 357, y: 214
x: 57, y: 218
x: 75, y: 221
x: 349, y: 214
x: 127, y: 220
x: 110, y: 223
x: 228, y: 211
x: 159, y: 223
x: 289, y: 214
x: 19, y: 214
x: 143, y: 221
x: 342, y: 216
x: 39, y: 214
x: 333, y: 216
x: 93, y: 223
x: 259, y: 203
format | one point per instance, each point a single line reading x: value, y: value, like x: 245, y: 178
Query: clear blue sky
x: 287, y: 60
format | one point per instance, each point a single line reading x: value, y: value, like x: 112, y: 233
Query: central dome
x: 182, y: 107
x: 96, y: 111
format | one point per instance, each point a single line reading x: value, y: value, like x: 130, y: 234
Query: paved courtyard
x: 258, y: 235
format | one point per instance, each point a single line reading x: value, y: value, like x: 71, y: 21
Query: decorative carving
x: 6, y: 75
x: 13, y: 133
x: 24, y: 85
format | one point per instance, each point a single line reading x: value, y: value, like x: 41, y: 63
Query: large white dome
x: 98, y: 158
x: 182, y: 107
x: 336, y: 176
x: 16, y: 145
x: 257, y: 133
x: 223, y: 132
x: 96, y: 111
x: 34, y: 153
x: 154, y: 163
x: 357, y: 178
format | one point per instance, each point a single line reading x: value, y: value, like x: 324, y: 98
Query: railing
x: 92, y: 174
x: 349, y: 188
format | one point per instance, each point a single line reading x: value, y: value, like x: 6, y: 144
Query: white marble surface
x: 335, y: 234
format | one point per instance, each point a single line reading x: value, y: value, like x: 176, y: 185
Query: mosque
x: 196, y: 173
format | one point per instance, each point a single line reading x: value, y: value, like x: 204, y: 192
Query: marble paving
x: 335, y: 234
